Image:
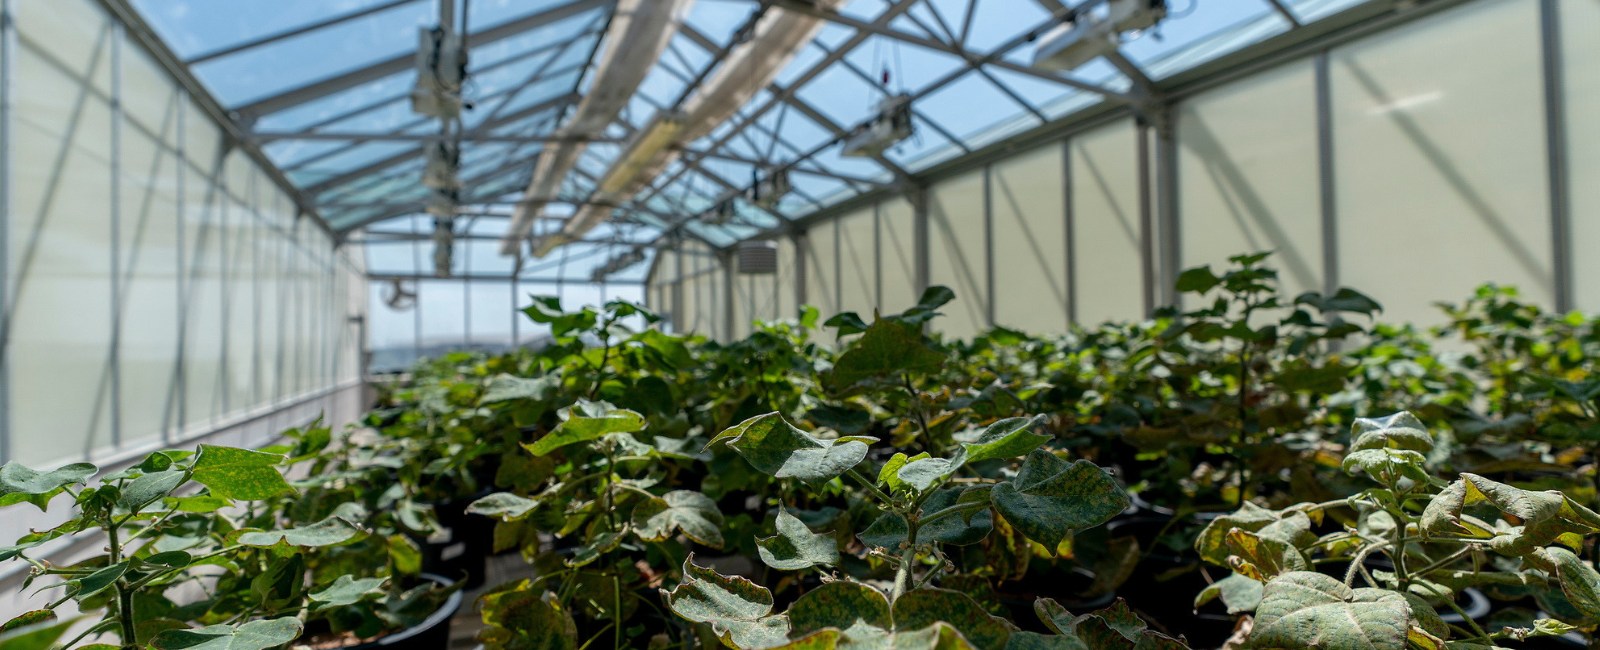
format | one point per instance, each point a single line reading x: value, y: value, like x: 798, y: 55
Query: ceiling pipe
x: 639, y: 32
x: 774, y: 42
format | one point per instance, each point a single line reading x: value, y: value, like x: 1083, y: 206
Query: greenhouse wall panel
x: 858, y: 262
x: 1030, y: 267
x: 1106, y: 271
x: 1418, y: 162
x: 1580, y: 22
x: 958, y: 251
x: 897, y: 255
x: 150, y: 275
x: 822, y: 270
x: 1248, y: 178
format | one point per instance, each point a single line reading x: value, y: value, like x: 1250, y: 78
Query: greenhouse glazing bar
x: 1555, y: 120
x: 8, y: 52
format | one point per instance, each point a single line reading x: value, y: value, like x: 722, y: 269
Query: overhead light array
x: 1095, y: 31
x: 617, y: 264
x: 888, y: 127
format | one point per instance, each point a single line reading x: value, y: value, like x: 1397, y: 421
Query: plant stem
x: 1356, y: 563
x: 916, y: 402
x: 130, y: 635
x: 871, y: 486
x: 946, y: 512
x: 908, y: 556
x: 1444, y: 560
x: 616, y: 611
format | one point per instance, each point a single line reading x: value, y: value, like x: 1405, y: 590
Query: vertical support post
x: 920, y: 232
x: 114, y: 357
x: 728, y: 269
x: 8, y: 49
x: 679, y: 324
x: 1555, y: 121
x: 1070, y: 225
x: 802, y: 245
x: 877, y: 256
x: 180, y: 374
x: 838, y: 268
x: 516, y: 290
x: 416, y: 306
x: 1147, y: 252
x: 988, y: 245
x: 466, y: 292
x: 1169, y: 236
x: 1325, y: 175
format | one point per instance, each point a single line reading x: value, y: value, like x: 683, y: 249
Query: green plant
x: 159, y: 534
x: 1440, y: 537
x: 924, y: 509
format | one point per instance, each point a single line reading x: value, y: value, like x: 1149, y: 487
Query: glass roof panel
x: 525, y: 84
x: 284, y: 64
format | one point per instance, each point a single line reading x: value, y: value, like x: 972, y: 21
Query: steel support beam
x: 402, y: 62
x: 291, y: 33
x: 1557, y: 166
x: 1326, y: 202
x: 8, y: 51
x: 474, y: 136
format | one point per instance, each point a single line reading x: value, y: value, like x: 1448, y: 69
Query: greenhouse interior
x: 806, y: 324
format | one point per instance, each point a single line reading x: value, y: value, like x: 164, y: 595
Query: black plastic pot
x: 1163, y: 585
x: 432, y: 634
x: 471, y: 542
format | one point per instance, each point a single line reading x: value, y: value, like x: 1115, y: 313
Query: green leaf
x: 1211, y: 544
x: 795, y: 547
x: 328, y: 532
x: 923, y: 473
x: 1113, y: 628
x: 887, y: 531
x: 504, y: 505
x: 959, y: 530
x: 1384, y: 464
x: 923, y: 607
x: 1050, y: 498
x: 96, y: 582
x: 939, y: 636
x: 1199, y: 279
x: 1579, y: 581
x: 19, y: 484
x: 847, y: 323
x: 1310, y: 610
x: 1239, y: 594
x: 518, y: 617
x: 890, y: 474
x: 506, y: 388
x: 347, y: 591
x: 1037, y: 641
x: 40, y: 636
x: 586, y: 421
x: 24, y: 619
x: 887, y: 350
x: 405, y: 555
x: 146, y: 489
x: 734, y: 606
x: 239, y: 474
x: 775, y: 447
x: 842, y: 605
x: 691, y: 512
x: 255, y: 635
x: 1006, y: 438
x: 1541, y: 516
x: 1399, y: 431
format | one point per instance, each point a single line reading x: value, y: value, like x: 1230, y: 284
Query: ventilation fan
x: 398, y: 297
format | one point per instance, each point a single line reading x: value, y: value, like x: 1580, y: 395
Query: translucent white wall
x: 1413, y: 164
x: 1440, y: 167
x: 157, y: 287
x: 1248, y: 175
x: 1580, y: 23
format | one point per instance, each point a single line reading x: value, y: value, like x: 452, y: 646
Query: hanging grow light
x: 441, y: 71
x: 891, y: 125
x: 617, y: 264
x: 443, y: 167
x: 768, y: 190
x: 444, y: 243
x: 1092, y: 33
x: 720, y: 214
